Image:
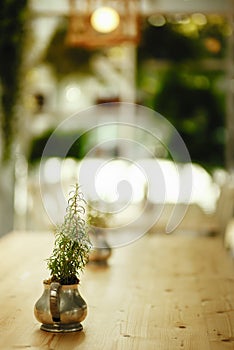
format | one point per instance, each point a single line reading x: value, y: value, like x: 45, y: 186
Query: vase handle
x: 55, y: 301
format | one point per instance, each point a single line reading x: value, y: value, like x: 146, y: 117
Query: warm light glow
x: 73, y: 93
x: 212, y: 44
x: 199, y: 19
x: 105, y: 19
x: 157, y: 20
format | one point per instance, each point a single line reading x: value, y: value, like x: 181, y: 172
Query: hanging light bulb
x: 93, y: 25
x: 105, y: 19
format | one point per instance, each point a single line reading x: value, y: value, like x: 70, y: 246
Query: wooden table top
x: 160, y: 292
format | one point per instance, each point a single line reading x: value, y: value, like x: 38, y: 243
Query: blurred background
x: 60, y: 57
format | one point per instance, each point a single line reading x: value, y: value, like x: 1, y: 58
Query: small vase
x: 102, y: 251
x: 60, y: 308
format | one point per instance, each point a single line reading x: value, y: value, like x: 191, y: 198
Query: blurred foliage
x: 179, y: 42
x: 165, y: 43
x: 66, y: 59
x: 179, y: 74
x: 68, y: 144
x: 176, y: 78
x: 197, y: 112
x: 13, y: 17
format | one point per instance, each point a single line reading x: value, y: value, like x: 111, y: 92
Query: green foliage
x: 13, y: 16
x: 196, y: 111
x: 63, y: 58
x: 166, y: 43
x: 178, y: 42
x: 72, y: 244
x: 181, y: 76
x: 71, y: 144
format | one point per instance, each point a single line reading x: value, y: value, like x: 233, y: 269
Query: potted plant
x: 98, y: 223
x: 61, y: 307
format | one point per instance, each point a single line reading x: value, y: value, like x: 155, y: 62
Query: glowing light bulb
x: 105, y: 19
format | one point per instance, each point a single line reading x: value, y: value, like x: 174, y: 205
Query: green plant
x: 72, y: 243
x: 96, y: 218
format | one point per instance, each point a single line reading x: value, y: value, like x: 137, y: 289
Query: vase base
x: 62, y: 328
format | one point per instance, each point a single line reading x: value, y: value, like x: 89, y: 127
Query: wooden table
x: 161, y: 292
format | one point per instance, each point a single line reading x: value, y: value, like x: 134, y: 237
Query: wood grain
x: 160, y: 292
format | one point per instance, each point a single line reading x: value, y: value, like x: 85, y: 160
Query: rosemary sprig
x: 72, y: 244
